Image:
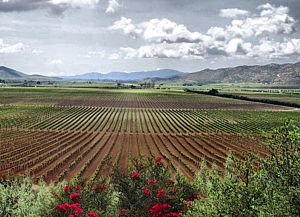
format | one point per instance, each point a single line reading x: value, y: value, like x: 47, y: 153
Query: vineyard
x: 159, y: 99
x: 65, y: 133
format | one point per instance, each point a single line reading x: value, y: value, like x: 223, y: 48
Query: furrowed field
x: 60, y: 133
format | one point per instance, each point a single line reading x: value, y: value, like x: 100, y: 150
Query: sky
x: 68, y: 37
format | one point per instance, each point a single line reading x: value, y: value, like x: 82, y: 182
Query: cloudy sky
x: 67, y: 37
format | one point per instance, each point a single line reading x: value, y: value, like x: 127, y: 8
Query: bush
x: 255, y: 187
x: 18, y: 198
x: 213, y: 92
x: 149, y: 190
x: 146, y: 190
x: 85, y: 199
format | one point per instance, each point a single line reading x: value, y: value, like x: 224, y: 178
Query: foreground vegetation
x: 253, y: 187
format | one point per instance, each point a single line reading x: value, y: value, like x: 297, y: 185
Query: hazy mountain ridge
x: 124, y: 76
x: 271, y: 73
x: 289, y: 73
x: 12, y: 74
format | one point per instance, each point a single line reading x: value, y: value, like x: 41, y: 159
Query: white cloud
x: 244, y: 37
x: 35, y: 51
x: 55, y: 6
x: 237, y: 46
x: 113, y: 5
x: 75, y: 3
x: 218, y: 33
x: 272, y: 49
x: 156, y: 30
x: 114, y: 56
x: 233, y: 12
x: 125, y: 25
x: 56, y: 62
x: 272, y: 20
x: 11, y: 48
x: 165, y: 50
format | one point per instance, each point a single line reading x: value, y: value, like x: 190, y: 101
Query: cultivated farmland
x: 58, y: 133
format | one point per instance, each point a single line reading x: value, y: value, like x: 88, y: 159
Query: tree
x: 213, y: 92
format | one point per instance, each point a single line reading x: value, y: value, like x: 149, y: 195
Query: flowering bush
x: 83, y: 199
x: 149, y: 190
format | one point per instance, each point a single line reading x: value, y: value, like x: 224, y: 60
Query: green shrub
x: 255, y: 187
x: 18, y: 198
x: 149, y: 190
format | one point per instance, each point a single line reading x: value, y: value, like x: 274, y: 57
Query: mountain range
x: 123, y: 76
x: 271, y: 73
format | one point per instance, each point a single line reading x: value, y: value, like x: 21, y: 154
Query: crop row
x: 162, y: 121
x: 88, y: 154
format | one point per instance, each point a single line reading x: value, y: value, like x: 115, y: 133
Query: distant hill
x: 123, y: 76
x: 287, y: 73
x: 11, y: 74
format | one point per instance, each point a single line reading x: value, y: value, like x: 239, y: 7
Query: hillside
x: 11, y: 74
x: 6, y: 73
x: 287, y: 73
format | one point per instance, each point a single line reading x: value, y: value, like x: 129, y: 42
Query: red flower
x: 160, y: 210
x: 92, y: 214
x: 71, y: 215
x: 56, y: 195
x: 101, y: 186
x: 77, y: 209
x: 74, y: 206
x: 174, y: 214
x: 152, y: 182
x: 123, y: 212
x: 74, y: 197
x: 189, y: 201
x: 166, y: 206
x: 62, y: 207
x: 171, y: 182
x: 78, y: 212
x: 146, y: 191
x: 135, y: 175
x: 160, y: 193
x: 158, y: 159
x: 156, y: 209
x: 78, y: 187
x: 66, y: 207
x: 67, y: 188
